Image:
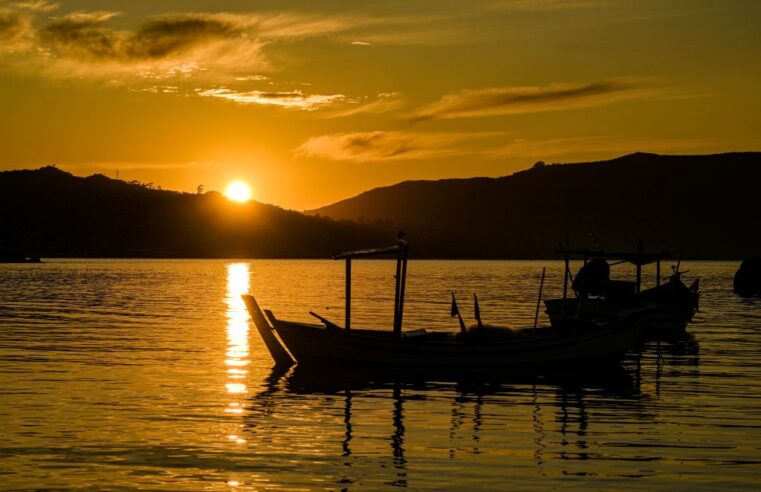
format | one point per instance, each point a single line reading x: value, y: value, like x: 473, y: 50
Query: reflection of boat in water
x: 578, y: 343
x: 376, y: 420
x: 333, y: 380
x: 599, y: 298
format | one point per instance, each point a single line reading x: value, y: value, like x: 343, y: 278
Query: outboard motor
x: 748, y: 278
x: 592, y: 278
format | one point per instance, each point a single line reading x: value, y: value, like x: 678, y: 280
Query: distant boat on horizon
x: 18, y: 258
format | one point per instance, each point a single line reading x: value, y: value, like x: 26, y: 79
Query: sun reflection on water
x: 237, y: 355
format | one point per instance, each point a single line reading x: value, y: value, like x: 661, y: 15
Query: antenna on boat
x: 539, y: 299
x: 678, y: 265
x: 477, y: 313
x: 456, y: 312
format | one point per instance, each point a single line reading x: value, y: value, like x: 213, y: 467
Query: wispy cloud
x: 569, y: 147
x: 15, y: 30
x: 295, y: 99
x: 531, y: 99
x: 380, y: 146
x: 35, y: 5
x: 83, y: 41
x: 384, y: 103
x: 361, y: 43
x: 216, y: 44
x: 390, y: 145
x: 547, y: 5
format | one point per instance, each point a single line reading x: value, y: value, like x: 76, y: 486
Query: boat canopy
x: 400, y: 250
x: 634, y: 257
x: 372, y: 253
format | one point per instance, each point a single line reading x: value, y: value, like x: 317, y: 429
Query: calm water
x: 148, y: 375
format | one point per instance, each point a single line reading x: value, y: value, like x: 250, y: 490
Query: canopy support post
x: 397, y: 327
x: 639, y: 277
x: 565, y: 278
x: 658, y: 273
x: 348, y: 294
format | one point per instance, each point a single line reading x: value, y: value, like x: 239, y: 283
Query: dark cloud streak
x: 84, y: 35
x: 13, y: 28
x: 515, y: 100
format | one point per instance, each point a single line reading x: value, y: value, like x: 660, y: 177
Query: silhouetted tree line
x: 50, y: 213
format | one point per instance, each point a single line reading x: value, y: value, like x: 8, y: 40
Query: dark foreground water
x: 123, y: 375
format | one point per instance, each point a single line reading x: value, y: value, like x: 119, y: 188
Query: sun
x: 238, y: 191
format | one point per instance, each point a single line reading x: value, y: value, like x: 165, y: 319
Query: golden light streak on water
x: 237, y: 354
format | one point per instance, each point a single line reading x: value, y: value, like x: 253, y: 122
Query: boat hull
x: 669, y: 318
x: 313, y: 344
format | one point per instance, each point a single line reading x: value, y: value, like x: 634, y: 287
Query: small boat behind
x: 599, y: 298
x: 578, y: 344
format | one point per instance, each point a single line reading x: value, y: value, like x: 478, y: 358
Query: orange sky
x: 311, y: 102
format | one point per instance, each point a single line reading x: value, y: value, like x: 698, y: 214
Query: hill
x: 706, y: 205
x: 50, y: 213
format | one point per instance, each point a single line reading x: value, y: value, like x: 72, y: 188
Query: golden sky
x: 314, y: 101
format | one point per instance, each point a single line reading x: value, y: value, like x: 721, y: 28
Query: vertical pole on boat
x: 658, y: 272
x: 397, y: 328
x: 566, y: 259
x: 401, y: 290
x: 639, y: 277
x: 565, y: 278
x: 348, y: 294
x: 539, y: 300
x: 640, y: 249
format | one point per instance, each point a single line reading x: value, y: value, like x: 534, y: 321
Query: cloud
x: 162, y: 42
x: 384, y: 103
x: 380, y: 146
x: 15, y: 30
x: 252, y: 78
x: 565, y: 148
x: 295, y: 99
x: 389, y: 145
x: 361, y: 43
x: 217, y: 45
x: 547, y: 5
x: 35, y: 5
x: 532, y: 99
x: 291, y: 26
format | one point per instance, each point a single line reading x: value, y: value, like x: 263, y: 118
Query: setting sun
x: 238, y: 191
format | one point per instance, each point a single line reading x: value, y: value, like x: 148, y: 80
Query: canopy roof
x: 375, y: 252
x: 633, y: 257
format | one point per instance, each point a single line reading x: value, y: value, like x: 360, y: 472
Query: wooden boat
x: 675, y: 304
x: 577, y: 344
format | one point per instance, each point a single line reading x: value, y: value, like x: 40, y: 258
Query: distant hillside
x: 50, y: 213
x: 708, y: 205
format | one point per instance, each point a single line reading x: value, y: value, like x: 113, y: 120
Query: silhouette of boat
x: 17, y: 258
x: 577, y: 343
x: 599, y: 298
x: 747, y: 280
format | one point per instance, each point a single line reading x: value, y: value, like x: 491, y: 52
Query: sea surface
x: 148, y: 375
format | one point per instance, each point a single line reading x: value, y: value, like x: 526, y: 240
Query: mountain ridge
x: 679, y: 202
